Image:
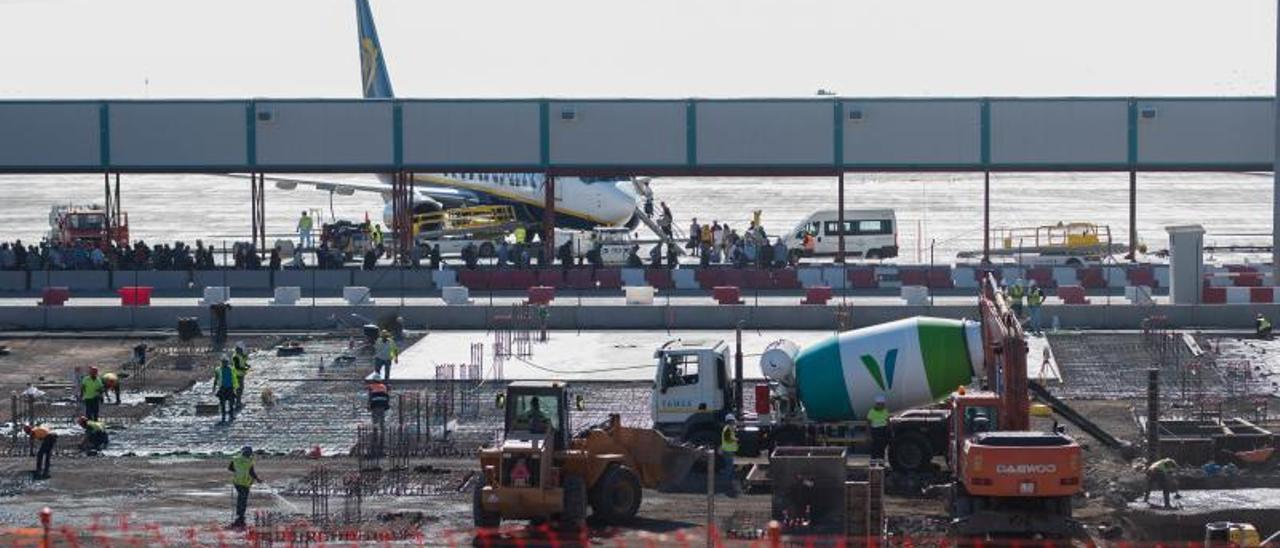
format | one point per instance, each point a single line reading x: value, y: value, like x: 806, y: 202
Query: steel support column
x: 1133, y: 215
x: 986, y: 216
x: 107, y: 202
x: 257, y: 197
x: 117, y: 213
x: 840, y: 216
x: 410, y: 238
x: 549, y: 219
x: 397, y: 206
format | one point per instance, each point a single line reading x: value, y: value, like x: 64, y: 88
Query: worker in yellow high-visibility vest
x: 878, y: 421
x: 1160, y: 474
x: 729, y: 448
x: 305, y: 224
x: 242, y: 466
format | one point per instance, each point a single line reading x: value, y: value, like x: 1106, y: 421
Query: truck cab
x: 692, y: 389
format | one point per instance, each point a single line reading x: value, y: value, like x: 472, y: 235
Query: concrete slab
x: 586, y: 355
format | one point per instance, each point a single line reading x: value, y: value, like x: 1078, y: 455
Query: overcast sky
x: 639, y: 48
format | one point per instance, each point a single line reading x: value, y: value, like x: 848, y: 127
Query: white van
x: 868, y: 233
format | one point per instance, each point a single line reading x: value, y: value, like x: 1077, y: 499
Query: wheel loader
x: 542, y: 472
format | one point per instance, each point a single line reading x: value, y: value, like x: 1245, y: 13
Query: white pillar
x: 1275, y: 167
x: 1186, y: 263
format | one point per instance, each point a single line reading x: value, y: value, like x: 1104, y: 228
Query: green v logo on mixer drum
x: 883, y: 379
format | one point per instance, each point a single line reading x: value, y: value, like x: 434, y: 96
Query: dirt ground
x: 178, y: 491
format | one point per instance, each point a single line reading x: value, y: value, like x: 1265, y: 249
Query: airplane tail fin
x: 373, y: 66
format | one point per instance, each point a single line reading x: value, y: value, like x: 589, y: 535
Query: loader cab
x: 692, y: 389
x: 536, y: 410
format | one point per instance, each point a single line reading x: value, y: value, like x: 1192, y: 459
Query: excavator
x: 1008, y: 479
x: 542, y: 472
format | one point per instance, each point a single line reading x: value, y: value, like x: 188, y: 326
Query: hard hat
x: 246, y: 451
x: 82, y: 420
x: 385, y: 333
x: 240, y: 346
x: 375, y: 377
x: 730, y: 418
x: 880, y: 399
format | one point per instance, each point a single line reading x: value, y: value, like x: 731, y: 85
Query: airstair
x: 677, y: 238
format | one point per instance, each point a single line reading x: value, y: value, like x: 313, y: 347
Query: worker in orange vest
x: 47, y: 439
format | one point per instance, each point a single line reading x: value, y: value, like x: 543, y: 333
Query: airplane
x: 581, y: 202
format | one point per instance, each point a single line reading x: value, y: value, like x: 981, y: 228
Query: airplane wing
x: 344, y: 188
x: 444, y: 196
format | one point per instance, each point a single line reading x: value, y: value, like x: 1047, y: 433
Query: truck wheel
x: 909, y: 452
x: 617, y: 495
x: 487, y: 520
x: 574, y: 515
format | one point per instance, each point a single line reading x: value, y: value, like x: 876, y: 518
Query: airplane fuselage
x: 580, y: 203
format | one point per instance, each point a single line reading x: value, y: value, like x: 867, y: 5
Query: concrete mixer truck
x: 819, y: 395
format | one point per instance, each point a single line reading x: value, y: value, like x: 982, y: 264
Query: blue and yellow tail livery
x: 373, y: 66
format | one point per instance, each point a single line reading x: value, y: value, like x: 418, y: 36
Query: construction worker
x: 225, y: 385
x: 379, y: 401
x: 240, y: 366
x: 1035, y: 298
x: 91, y: 389
x: 520, y: 234
x: 95, y: 435
x: 385, y: 353
x: 1263, y: 327
x: 377, y: 237
x: 729, y: 448
x: 47, y: 439
x: 111, y: 383
x: 535, y: 418
x: 242, y: 466
x: 1016, y: 294
x: 305, y: 224
x: 878, y: 421
x: 1160, y: 474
